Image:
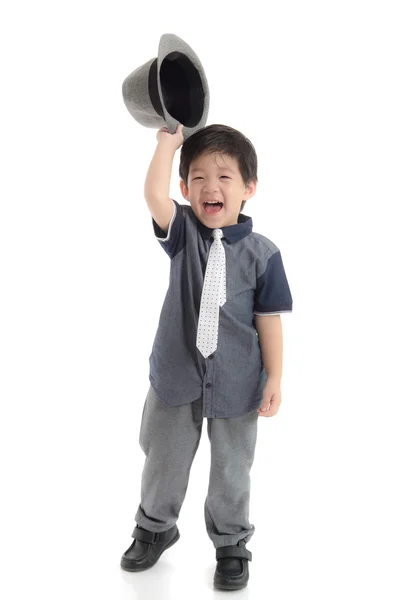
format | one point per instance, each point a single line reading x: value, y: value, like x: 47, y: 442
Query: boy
x: 219, y: 335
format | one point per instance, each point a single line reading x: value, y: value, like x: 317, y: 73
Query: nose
x: 210, y: 185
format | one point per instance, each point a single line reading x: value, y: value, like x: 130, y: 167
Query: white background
x: 315, y: 86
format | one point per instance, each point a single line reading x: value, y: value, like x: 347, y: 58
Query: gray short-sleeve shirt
x: 230, y: 380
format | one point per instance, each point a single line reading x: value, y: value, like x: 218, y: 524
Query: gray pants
x: 169, y: 437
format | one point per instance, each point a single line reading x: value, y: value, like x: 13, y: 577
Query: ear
x: 250, y: 189
x: 184, y: 189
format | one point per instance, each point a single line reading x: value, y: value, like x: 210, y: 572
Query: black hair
x: 224, y: 140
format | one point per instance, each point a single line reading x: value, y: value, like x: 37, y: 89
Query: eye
x: 194, y: 178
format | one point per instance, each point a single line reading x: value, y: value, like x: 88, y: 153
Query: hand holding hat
x: 176, y: 139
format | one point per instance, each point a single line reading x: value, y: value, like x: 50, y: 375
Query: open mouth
x: 212, y: 208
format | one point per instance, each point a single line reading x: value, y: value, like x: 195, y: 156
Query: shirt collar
x: 232, y: 233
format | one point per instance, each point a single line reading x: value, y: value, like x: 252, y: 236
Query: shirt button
x: 208, y: 385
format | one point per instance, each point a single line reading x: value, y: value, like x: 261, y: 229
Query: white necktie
x: 213, y: 296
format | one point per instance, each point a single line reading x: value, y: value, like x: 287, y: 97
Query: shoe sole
x: 229, y: 587
x: 134, y: 569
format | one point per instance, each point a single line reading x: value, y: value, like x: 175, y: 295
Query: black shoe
x: 232, y: 572
x: 147, y: 548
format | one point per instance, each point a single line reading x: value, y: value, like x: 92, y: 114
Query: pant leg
x: 226, y: 508
x: 169, y: 437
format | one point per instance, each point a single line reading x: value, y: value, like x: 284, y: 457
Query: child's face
x: 216, y: 177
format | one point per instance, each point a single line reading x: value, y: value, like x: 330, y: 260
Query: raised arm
x: 158, y: 179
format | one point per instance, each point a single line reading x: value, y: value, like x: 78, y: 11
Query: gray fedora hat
x: 169, y: 89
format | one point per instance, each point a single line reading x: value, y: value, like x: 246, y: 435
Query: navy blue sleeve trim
x: 272, y: 294
x: 174, y: 240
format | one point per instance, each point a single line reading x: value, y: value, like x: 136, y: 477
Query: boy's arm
x: 158, y: 179
x: 269, y: 329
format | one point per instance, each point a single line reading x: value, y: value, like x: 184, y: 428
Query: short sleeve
x: 272, y: 294
x: 173, y: 240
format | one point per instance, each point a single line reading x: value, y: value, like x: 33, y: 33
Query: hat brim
x: 179, y: 51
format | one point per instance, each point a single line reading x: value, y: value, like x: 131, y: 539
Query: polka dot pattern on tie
x: 213, y: 296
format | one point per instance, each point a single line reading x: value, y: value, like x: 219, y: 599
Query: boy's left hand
x: 271, y: 398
